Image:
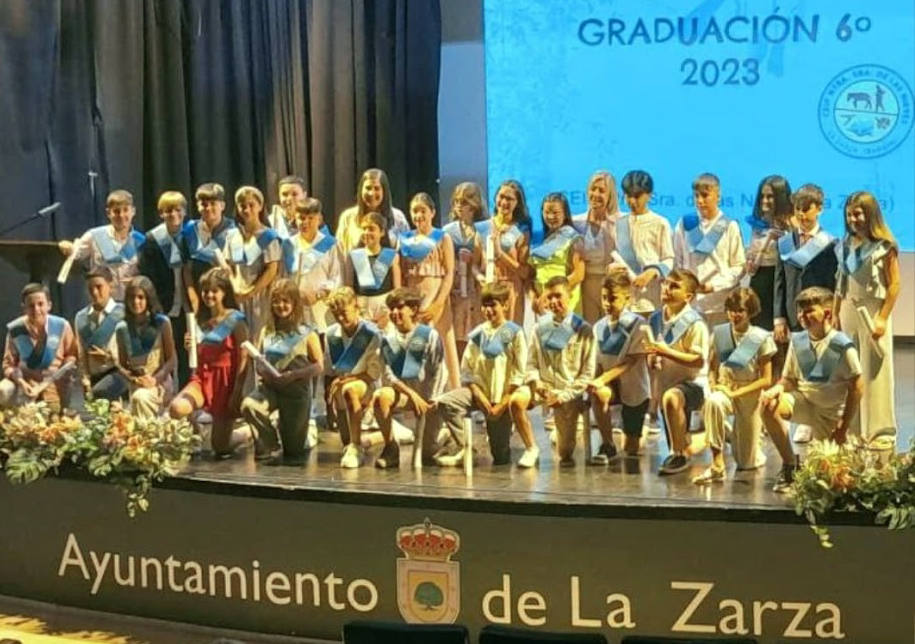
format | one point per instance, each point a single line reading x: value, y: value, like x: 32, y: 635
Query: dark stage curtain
x: 151, y: 95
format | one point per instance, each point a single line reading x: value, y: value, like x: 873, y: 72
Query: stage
x: 300, y: 551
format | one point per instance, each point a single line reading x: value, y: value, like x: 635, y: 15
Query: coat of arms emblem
x: 428, y: 582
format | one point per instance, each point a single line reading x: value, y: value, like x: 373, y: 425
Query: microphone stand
x: 44, y: 212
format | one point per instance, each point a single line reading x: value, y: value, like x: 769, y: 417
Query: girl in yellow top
x: 561, y: 252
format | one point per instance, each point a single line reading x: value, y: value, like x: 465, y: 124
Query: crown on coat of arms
x: 428, y: 541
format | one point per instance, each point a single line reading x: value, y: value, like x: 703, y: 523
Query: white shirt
x: 652, y: 244
x: 89, y: 363
x: 828, y: 395
x: 694, y: 340
x: 635, y: 383
x: 123, y: 272
x: 432, y: 377
x: 721, y: 269
x: 568, y: 372
x: 369, y: 363
x: 494, y: 375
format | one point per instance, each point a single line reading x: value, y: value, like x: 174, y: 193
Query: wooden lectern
x: 33, y: 261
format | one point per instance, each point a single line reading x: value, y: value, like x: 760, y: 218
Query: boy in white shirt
x: 643, y: 243
x: 95, y: 336
x: 621, y: 368
x: 710, y: 246
x: 820, y: 384
x: 413, y: 372
x: 492, y: 369
x: 680, y: 347
x: 560, y: 366
x: 352, y: 366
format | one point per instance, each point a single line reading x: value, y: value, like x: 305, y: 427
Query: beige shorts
x: 803, y: 412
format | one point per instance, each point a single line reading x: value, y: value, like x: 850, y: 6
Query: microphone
x: 47, y: 210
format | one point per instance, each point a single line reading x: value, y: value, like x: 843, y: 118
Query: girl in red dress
x: 216, y: 384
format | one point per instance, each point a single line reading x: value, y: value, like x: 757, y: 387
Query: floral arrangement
x: 107, y: 442
x: 851, y: 478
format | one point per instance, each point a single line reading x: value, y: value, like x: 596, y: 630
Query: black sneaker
x: 605, y: 453
x: 390, y: 457
x: 785, y: 480
x: 674, y: 464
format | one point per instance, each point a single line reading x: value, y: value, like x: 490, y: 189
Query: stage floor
x: 628, y: 484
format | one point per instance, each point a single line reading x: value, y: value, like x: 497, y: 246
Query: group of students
x: 627, y: 312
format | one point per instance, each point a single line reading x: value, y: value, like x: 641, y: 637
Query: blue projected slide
x: 820, y: 92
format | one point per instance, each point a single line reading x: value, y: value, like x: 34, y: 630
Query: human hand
x: 146, y: 381
x: 100, y: 353
x: 65, y: 247
x: 420, y: 406
x: 644, y: 278
x: 780, y: 332
x: 879, y: 327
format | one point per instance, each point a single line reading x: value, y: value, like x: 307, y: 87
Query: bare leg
x: 517, y: 406
x: 673, y: 402
x: 383, y: 402
x: 774, y: 417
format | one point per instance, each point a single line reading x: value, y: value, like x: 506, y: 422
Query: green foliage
x: 429, y: 595
x: 107, y: 443
x: 851, y: 478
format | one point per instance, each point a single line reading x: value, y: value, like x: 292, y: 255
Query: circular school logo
x: 866, y: 111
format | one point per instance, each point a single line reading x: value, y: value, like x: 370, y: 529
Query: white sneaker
x: 352, y: 457
x: 402, y: 434
x: 311, y: 435
x: 530, y: 457
x: 803, y: 434
x: 652, y: 425
x: 451, y: 460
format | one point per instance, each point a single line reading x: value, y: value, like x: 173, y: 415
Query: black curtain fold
x: 152, y: 95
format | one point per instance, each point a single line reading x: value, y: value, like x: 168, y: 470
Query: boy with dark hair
x: 492, y: 368
x: 412, y: 375
x: 820, y: 384
x: 95, y: 334
x: 39, y: 350
x: 680, y: 347
x: 560, y: 366
x: 204, y: 239
x: 621, y: 369
x: 282, y: 218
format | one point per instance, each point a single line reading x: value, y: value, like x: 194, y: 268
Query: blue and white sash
x: 456, y: 232
x: 241, y: 253
x: 699, y: 243
x: 496, y: 344
x: 102, y: 334
x: 507, y: 238
x: 125, y: 254
x: 415, y: 247
x: 687, y: 318
x: 221, y: 331
x: 19, y: 335
x: 737, y: 357
x: 277, y: 346
x: 207, y: 253
x: 821, y: 370
x: 555, y: 243
x: 140, y: 342
x: 853, y: 260
x: 371, y: 275
x: 167, y: 244
x: 800, y: 257
x: 555, y: 337
x: 757, y: 224
x: 624, y: 245
x: 293, y: 254
x: 611, y: 341
x: 406, y: 361
x: 344, y: 358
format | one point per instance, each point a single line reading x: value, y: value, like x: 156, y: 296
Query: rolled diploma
x: 221, y: 260
x: 868, y: 322
x: 490, y: 260
x: 259, y: 357
x: 463, y: 277
x: 192, y: 350
x: 68, y: 264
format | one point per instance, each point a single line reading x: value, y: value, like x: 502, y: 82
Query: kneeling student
x: 740, y: 367
x: 294, y: 351
x: 492, y: 368
x: 820, y: 384
x: 39, y: 348
x: 680, y: 345
x: 352, y: 366
x: 560, y: 366
x: 621, y: 367
x: 413, y: 372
